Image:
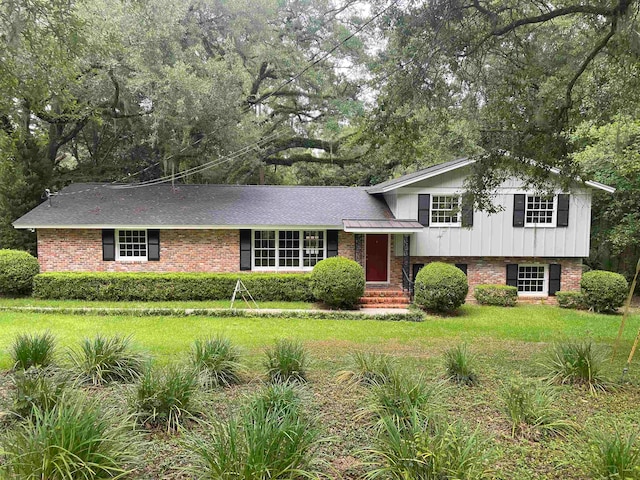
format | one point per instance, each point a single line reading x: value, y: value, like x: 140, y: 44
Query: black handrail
x: 407, y: 283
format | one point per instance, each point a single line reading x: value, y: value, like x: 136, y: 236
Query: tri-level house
x: 392, y: 229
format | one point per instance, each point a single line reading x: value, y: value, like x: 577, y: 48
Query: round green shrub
x: 571, y: 299
x: 338, y: 282
x: 440, y: 287
x: 17, y: 269
x: 500, y: 295
x: 604, y: 291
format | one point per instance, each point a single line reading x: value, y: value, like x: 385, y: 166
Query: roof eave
x: 420, y: 178
x: 463, y: 163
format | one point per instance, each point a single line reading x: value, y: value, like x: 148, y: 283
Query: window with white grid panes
x: 312, y: 247
x: 539, y: 210
x: 132, y: 245
x: 288, y: 248
x: 531, y: 278
x: 445, y: 210
x: 264, y: 248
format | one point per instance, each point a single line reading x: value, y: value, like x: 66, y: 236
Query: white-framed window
x: 131, y: 245
x: 288, y: 249
x: 264, y: 248
x: 532, y: 279
x: 540, y: 210
x: 312, y: 247
x: 445, y: 210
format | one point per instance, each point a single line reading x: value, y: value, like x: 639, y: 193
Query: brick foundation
x: 493, y: 270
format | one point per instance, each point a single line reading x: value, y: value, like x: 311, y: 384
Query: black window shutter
x: 416, y: 268
x: 555, y: 272
x: 512, y: 274
x: 108, y: 245
x: 462, y: 266
x: 153, y: 245
x: 332, y: 243
x: 467, y: 212
x: 563, y: 210
x: 424, y: 204
x: 245, y: 249
x: 518, y: 209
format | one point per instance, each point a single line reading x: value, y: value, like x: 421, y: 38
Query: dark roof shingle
x: 97, y: 205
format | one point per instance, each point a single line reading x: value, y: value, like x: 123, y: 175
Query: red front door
x: 377, y: 248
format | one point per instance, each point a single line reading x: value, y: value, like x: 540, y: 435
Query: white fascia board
x: 382, y: 230
x: 426, y: 176
x: 182, y: 227
x: 420, y: 178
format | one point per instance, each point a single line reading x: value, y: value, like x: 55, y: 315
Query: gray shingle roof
x: 96, y: 205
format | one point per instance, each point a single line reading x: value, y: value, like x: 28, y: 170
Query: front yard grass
x: 507, y: 342
x: 35, y: 302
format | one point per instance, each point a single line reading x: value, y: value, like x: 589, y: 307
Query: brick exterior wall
x: 61, y: 250
x: 493, y: 269
x: 71, y: 250
x: 180, y: 251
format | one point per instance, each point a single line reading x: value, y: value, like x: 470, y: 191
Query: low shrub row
x: 171, y: 286
x: 499, y: 295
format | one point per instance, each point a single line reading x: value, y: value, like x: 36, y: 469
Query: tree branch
x: 587, y: 61
x: 559, y: 12
x: 301, y: 142
x: 307, y: 157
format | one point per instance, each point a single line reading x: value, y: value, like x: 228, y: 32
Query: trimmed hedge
x: 412, y: 316
x: 440, y: 287
x: 338, y: 282
x: 500, y: 295
x: 571, y: 299
x: 290, y: 287
x: 604, y: 291
x: 17, y: 269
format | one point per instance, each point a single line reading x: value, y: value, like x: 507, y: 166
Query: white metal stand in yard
x: 244, y: 293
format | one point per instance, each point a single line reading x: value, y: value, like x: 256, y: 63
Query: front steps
x: 390, y: 297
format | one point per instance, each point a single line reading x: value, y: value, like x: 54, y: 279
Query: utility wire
x: 313, y: 62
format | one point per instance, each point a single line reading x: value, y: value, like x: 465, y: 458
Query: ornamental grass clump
x: 460, y: 365
x: 37, y: 389
x: 287, y: 360
x: 102, y: 360
x: 76, y: 439
x: 33, y: 350
x: 613, y: 455
x: 166, y: 397
x: 429, y: 448
x: 217, y: 361
x: 404, y: 394
x: 577, y: 363
x: 269, y: 439
x: 529, y: 407
x: 368, y: 368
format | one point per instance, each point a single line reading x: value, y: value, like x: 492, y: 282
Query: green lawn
x: 506, y: 343
x: 168, y: 336
x: 34, y: 302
